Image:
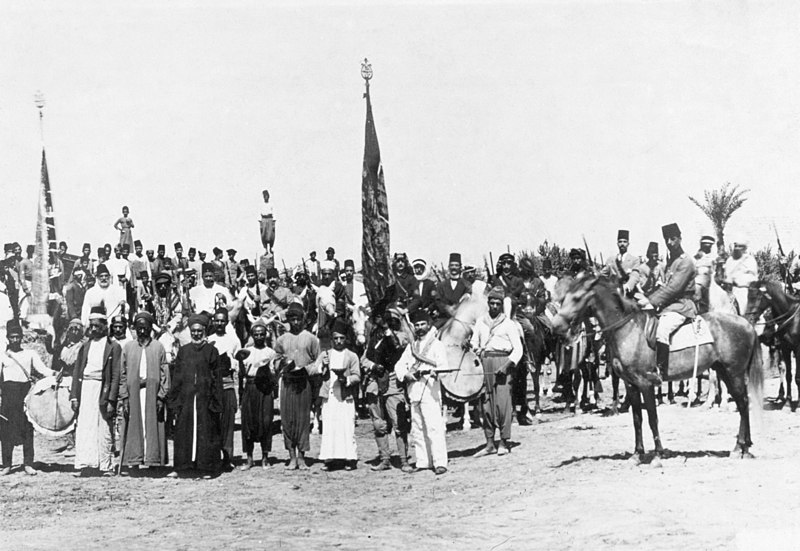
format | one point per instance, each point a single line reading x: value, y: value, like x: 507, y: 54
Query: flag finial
x: 38, y: 100
x: 366, y: 70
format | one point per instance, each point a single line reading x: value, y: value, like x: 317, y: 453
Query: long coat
x: 156, y: 388
x: 678, y: 290
x: 109, y: 390
x: 196, y: 396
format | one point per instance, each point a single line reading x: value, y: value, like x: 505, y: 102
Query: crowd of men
x: 252, y: 336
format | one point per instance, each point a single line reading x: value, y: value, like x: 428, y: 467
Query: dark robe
x: 196, y: 381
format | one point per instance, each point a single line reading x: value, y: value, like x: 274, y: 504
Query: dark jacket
x: 678, y: 290
x: 447, y: 296
x: 109, y: 390
x: 424, y: 298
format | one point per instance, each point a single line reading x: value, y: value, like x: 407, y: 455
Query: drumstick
x: 3, y: 417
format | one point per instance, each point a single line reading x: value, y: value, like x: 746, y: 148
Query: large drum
x: 48, y: 409
x: 465, y: 382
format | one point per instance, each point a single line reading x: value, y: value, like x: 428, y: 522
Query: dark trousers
x: 497, y: 408
x: 27, y: 450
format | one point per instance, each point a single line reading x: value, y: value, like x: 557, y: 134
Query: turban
x: 455, y: 257
x: 295, y: 310
x: 163, y: 277
x: 208, y: 267
x: 221, y: 311
x: 497, y: 292
x: 349, y: 263
x: 670, y: 230
x: 98, y: 313
x: 102, y: 269
x: 707, y: 239
x: 340, y: 327
x: 419, y: 262
x: 576, y: 253
x: 469, y: 270
x: 327, y: 265
x: 623, y: 234
x: 506, y: 257
x: 144, y: 315
x: 200, y: 319
x: 421, y: 314
x: 652, y: 248
x: 75, y: 323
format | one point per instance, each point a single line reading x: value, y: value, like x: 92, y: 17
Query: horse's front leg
x: 614, y: 393
x: 636, y: 411
x: 789, y: 352
x: 652, y: 419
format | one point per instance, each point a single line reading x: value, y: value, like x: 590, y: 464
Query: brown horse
x: 735, y: 354
x: 783, y: 326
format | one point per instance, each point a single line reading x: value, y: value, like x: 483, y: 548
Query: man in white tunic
x: 417, y: 368
x: 94, y: 392
x: 741, y: 269
x: 110, y: 297
x: 208, y: 296
x: 341, y: 376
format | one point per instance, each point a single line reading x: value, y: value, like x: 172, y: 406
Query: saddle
x: 693, y: 332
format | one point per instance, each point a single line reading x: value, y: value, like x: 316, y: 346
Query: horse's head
x: 577, y: 298
x: 359, y: 316
x: 325, y: 299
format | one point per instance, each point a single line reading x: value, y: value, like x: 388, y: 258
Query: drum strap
x: 25, y: 371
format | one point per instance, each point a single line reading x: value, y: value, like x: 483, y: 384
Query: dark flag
x: 45, y: 243
x: 375, y: 252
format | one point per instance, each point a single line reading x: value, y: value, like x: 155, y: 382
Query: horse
x: 784, y: 324
x: 735, y: 354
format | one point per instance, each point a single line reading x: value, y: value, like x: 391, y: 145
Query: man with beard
x: 651, y: 272
x: 208, y: 296
x: 624, y: 266
x: 296, y: 353
x: 417, y: 368
x: 425, y: 289
x: 94, y: 392
x: 227, y: 344
x: 741, y: 269
x: 111, y: 297
x: 450, y: 291
x: 144, y: 384
x: 354, y: 289
x: 118, y: 330
x: 705, y: 261
x: 16, y: 366
x: 497, y: 342
x: 253, y: 294
x: 195, y: 398
x: 385, y: 396
x: 578, y: 262
x: 402, y: 290
x: 330, y: 257
x: 673, y: 301
x: 508, y: 278
x: 166, y: 305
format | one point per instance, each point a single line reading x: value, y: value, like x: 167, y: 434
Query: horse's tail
x: 755, y: 376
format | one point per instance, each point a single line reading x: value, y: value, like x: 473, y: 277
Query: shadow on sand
x: 647, y: 458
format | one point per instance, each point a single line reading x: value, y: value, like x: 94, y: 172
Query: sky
x: 500, y: 125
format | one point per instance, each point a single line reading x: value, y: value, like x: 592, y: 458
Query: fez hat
x: 177, y: 245
x: 163, y: 277
x: 420, y: 314
x: 670, y: 230
x: 506, y: 257
x: 101, y: 251
x: 86, y: 246
x: 330, y: 250
x: 272, y: 272
x: 221, y: 311
x: 547, y: 264
x: 144, y: 315
x: 652, y: 248
x: 162, y: 248
x: 97, y: 313
x: 340, y: 326
x: 192, y: 250
x: 350, y: 263
x: 126, y: 247
x: 102, y: 269
x: 30, y: 248
x: 216, y: 250
x: 295, y: 310
x: 455, y: 257
x: 707, y: 239
x: 231, y: 251
x: 623, y: 234
x: 208, y: 267
x: 250, y: 269
x: 137, y: 243
x: 8, y: 247
x: 13, y: 327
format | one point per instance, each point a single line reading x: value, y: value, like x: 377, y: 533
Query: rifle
x: 588, y: 254
x: 785, y: 275
x: 285, y: 271
x: 491, y: 265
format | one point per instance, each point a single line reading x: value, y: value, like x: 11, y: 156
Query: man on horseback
x: 577, y: 258
x: 450, y: 290
x: 673, y: 301
x: 508, y: 278
x: 741, y: 270
x: 624, y: 267
x: 651, y: 271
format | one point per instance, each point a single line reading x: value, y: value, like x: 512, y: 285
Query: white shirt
x: 10, y: 370
x: 741, y: 272
x: 118, y: 267
x: 110, y: 297
x: 204, y: 300
x: 505, y: 338
x: 427, y: 388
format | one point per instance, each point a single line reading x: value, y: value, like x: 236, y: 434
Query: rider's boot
x: 383, y: 448
x: 662, y: 362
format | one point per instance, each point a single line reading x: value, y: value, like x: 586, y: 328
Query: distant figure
x: 267, y: 223
x: 124, y: 224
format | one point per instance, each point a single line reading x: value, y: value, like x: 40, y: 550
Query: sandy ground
x: 567, y: 484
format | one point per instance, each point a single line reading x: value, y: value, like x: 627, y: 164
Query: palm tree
x: 719, y: 205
